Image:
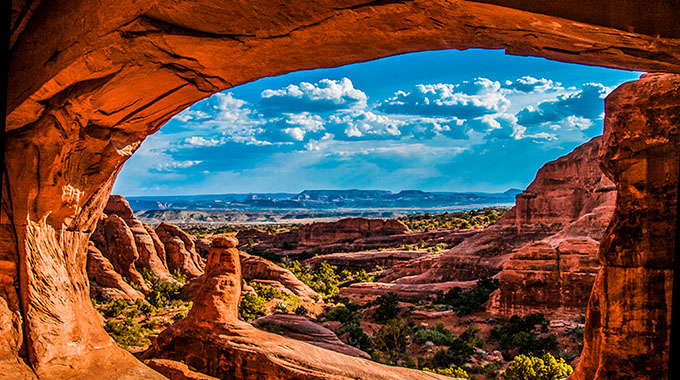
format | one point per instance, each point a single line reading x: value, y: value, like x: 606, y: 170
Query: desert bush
x: 466, y: 302
x: 545, y: 367
x: 251, y: 307
x: 127, y: 333
x: 456, y: 372
x: 267, y: 292
x: 438, y: 335
x: 114, y: 308
x: 392, y: 340
x: 388, y: 307
x: 527, y: 336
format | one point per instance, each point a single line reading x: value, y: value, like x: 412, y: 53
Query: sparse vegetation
x: 545, y: 367
x: 524, y: 336
x: 453, y: 220
x: 466, y: 302
x: 456, y: 372
x: 251, y: 307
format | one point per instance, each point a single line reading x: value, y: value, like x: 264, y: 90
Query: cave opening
x: 543, y: 255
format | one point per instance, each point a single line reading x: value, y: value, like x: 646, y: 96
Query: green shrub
x: 179, y: 316
x: 301, y: 310
x: 392, y: 340
x: 114, y: 308
x: 457, y: 354
x: 251, y: 306
x: 162, y: 292
x: 356, y: 336
x: 179, y: 276
x: 388, y: 307
x: 127, y: 333
x: 537, y: 368
x: 267, y: 292
x: 466, y: 302
x: 438, y: 335
x: 525, y: 336
x: 456, y: 372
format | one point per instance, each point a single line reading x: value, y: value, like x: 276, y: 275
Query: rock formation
x: 117, y: 243
x: 565, y: 190
x: 573, y: 184
x: 323, y: 237
x: 641, y: 154
x: 105, y: 282
x: 88, y: 81
x: 301, y: 328
x: 214, y: 341
x: 180, y: 251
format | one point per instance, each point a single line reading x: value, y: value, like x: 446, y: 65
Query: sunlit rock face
x: 88, y: 81
x: 627, y: 326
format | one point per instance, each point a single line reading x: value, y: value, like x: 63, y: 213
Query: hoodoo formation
x: 88, y: 81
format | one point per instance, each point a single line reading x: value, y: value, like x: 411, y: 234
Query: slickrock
x: 629, y: 313
x: 180, y: 250
x: 105, y: 281
x: 212, y: 340
x: 301, y: 328
x: 257, y: 268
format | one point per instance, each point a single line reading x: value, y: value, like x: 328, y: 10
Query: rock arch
x: 88, y: 81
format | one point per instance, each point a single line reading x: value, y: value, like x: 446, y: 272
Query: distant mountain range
x: 414, y: 200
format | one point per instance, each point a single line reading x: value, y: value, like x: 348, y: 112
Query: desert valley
x: 460, y: 293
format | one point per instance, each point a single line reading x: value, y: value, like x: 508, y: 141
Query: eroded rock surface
x: 180, y: 251
x: 640, y: 153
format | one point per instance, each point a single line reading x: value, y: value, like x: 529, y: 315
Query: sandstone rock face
x: 180, y: 250
x: 641, y: 153
x: 212, y: 340
x: 301, y: 328
x: 366, y: 260
x: 564, y: 190
x: 175, y: 370
x: 117, y: 243
x: 323, y: 237
x: 105, y: 281
x: 88, y: 81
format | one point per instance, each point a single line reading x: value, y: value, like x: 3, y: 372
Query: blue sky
x: 474, y: 120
